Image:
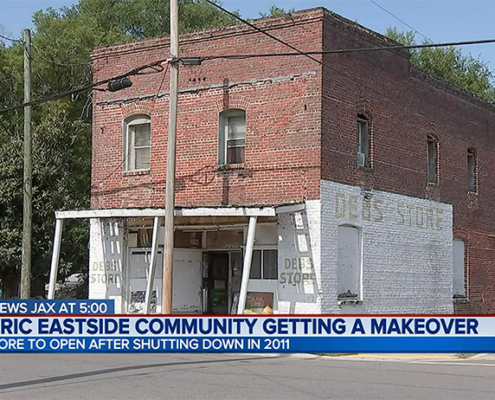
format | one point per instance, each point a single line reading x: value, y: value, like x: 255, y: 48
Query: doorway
x: 217, y: 283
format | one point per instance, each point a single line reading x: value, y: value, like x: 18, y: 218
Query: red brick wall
x: 281, y: 97
x: 288, y: 103
x: 406, y: 106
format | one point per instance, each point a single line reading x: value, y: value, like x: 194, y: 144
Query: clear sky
x: 439, y: 20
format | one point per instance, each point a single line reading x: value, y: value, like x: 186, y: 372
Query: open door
x: 217, y: 283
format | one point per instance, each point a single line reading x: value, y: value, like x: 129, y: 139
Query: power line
x: 354, y: 50
x: 11, y: 40
x: 262, y: 31
x: 400, y: 20
x: 135, y: 71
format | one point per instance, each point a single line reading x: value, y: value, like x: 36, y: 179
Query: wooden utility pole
x: 168, y: 256
x: 28, y: 172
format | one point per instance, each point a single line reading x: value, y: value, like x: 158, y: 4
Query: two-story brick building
x: 368, y: 180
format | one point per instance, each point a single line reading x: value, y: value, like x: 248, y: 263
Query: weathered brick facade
x: 301, y: 128
x: 405, y: 106
x: 283, y: 115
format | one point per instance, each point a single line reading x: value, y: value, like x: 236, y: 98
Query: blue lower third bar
x: 247, y: 344
x: 47, y: 307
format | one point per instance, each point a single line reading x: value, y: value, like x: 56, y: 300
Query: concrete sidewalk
x: 397, y: 357
x: 405, y: 357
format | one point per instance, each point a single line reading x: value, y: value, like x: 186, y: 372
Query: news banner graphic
x: 55, y: 307
x: 57, y: 328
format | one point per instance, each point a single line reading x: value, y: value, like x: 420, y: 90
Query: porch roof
x: 181, y: 212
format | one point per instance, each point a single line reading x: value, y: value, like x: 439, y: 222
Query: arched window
x: 137, y: 143
x: 232, y: 137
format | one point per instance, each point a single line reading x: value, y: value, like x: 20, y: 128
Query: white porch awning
x: 252, y: 212
x: 180, y: 212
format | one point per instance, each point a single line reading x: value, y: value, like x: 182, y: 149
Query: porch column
x: 246, y: 270
x: 151, y: 275
x: 57, y: 239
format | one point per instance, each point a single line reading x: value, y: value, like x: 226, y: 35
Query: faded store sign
x: 106, y: 272
x: 297, y: 270
x: 353, y: 207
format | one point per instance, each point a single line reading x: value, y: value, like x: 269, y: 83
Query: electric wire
x: 400, y: 20
x: 353, y: 50
x: 11, y: 40
x: 158, y: 63
x: 262, y: 31
x: 57, y: 96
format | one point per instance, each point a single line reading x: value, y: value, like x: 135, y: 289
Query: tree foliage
x: 62, y: 41
x: 450, y: 64
x: 275, y: 11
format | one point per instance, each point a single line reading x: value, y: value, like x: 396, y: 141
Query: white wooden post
x: 57, y: 239
x: 151, y: 275
x: 246, y: 270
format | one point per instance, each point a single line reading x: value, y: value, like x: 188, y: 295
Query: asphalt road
x: 219, y: 377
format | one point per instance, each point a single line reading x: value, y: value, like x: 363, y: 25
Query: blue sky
x: 440, y: 20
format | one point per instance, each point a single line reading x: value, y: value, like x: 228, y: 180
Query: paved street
x: 134, y: 376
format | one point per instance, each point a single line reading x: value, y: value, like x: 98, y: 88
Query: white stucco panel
x: 106, y: 260
x: 299, y: 275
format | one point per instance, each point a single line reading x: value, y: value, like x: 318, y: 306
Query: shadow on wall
x: 297, y: 276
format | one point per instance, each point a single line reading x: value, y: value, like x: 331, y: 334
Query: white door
x: 187, y: 281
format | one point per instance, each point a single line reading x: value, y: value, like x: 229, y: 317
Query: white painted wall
x: 299, y: 271
x: 406, y: 250
x: 106, y: 261
x: 116, y: 273
x: 405, y: 259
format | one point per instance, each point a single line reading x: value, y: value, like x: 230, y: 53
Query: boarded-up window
x: 471, y: 170
x: 459, y: 268
x: 432, y: 149
x: 349, y: 263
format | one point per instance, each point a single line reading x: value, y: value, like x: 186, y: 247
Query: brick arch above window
x: 365, y: 107
x: 129, y: 110
x: 233, y: 101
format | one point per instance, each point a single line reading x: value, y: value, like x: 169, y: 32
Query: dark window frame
x: 472, y: 171
x: 258, y: 272
x: 432, y: 157
x: 363, y: 145
x: 232, y: 137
